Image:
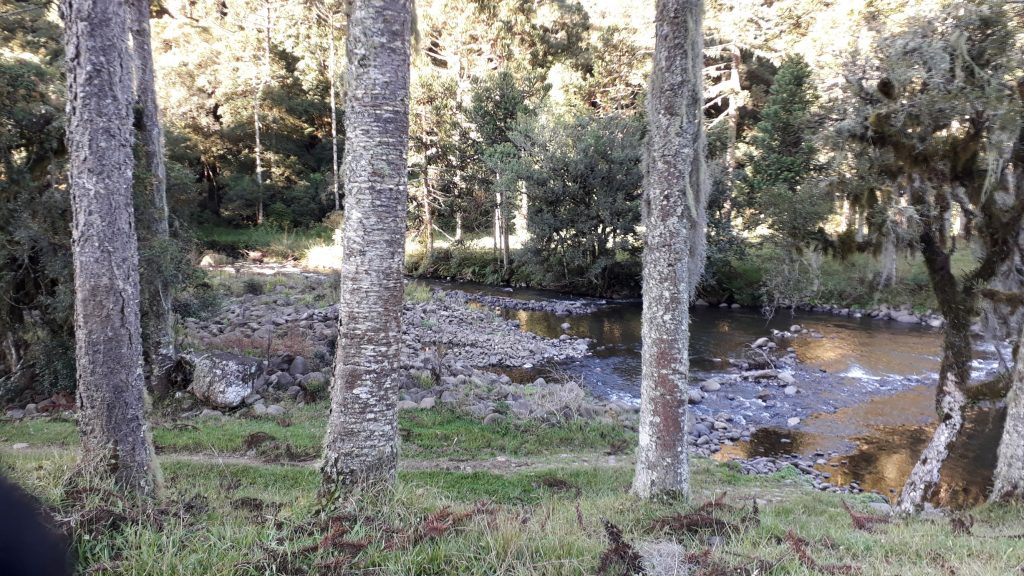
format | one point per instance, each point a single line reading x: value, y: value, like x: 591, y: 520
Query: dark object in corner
x: 29, y: 544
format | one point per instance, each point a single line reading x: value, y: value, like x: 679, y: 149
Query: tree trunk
x: 334, y: 114
x: 108, y: 343
x: 151, y: 211
x: 955, y: 302
x: 361, y: 441
x: 1009, y: 476
x: 428, y: 215
x: 674, y: 198
x: 257, y: 100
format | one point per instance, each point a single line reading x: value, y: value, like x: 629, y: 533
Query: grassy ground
x: 244, y: 516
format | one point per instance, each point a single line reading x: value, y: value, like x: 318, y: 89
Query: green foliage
x: 778, y: 177
x: 582, y: 176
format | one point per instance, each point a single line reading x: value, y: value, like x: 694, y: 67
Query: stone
x: 207, y: 413
x: 880, y: 507
x: 566, y: 326
x: 735, y: 306
x: 793, y: 421
x: 907, y: 318
x: 494, y: 419
x: 790, y: 391
x: 294, y: 392
x: 701, y: 430
x: 712, y: 385
x: 212, y: 259
x: 786, y: 378
x: 761, y: 342
x: 31, y: 410
x: 428, y: 402
x: 259, y: 408
x: 449, y: 397
x: 695, y: 396
x: 407, y: 405
x: 282, y: 380
x: 298, y: 366
x: 252, y: 399
x: 20, y: 446
x: 795, y: 328
x: 276, y: 410
x: 16, y: 413
x: 936, y: 322
x: 223, y: 380
x: 315, y: 381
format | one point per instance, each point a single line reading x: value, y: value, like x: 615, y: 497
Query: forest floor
x: 240, y: 497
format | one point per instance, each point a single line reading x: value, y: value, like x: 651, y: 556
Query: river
x: 867, y: 389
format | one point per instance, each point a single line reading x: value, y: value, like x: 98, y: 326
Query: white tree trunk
x: 151, y: 210
x: 675, y: 189
x: 361, y: 441
x: 108, y: 343
x: 334, y: 113
x: 1009, y: 476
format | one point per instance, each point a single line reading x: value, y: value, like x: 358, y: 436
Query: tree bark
x: 361, y: 441
x: 108, y: 343
x: 257, y: 100
x: 674, y: 199
x: 151, y: 210
x: 1009, y: 475
x: 334, y: 113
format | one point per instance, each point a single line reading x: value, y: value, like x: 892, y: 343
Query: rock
x: 700, y: 302
x: 20, y: 446
x: 566, y: 326
x: 494, y: 419
x: 696, y: 396
x: 407, y: 405
x: 790, y: 391
x: 315, y: 381
x: 259, y: 408
x: 761, y: 342
x: 936, y: 322
x: 298, y: 367
x: 212, y: 259
x: 282, y: 380
x: 428, y: 402
x: 16, y: 413
x: 294, y: 392
x: 786, y: 378
x: 735, y: 306
x: 712, y: 385
x: 207, y: 413
x: 907, y: 318
x: 31, y: 410
x: 252, y: 399
x: 701, y: 430
x: 449, y: 397
x: 223, y: 380
x: 795, y: 328
x: 880, y: 507
x: 276, y: 410
x: 793, y: 421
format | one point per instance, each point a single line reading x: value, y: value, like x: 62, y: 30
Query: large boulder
x: 223, y: 380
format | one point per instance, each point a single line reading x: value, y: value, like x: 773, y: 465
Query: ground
x: 241, y: 498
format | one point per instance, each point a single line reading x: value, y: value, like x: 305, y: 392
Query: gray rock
x: 223, y: 380
x: 207, y: 413
x: 790, y: 390
x: 253, y: 398
x: 566, y: 326
x: 276, y: 410
x: 907, y: 318
x: 31, y: 410
x: 795, y: 328
x: 407, y: 405
x: 298, y: 367
x: 259, y: 408
x: 786, y: 378
x: 880, y: 507
x: 282, y: 380
x: 712, y: 385
x: 16, y: 413
x: 696, y: 396
x: 494, y: 419
x: 761, y: 342
x: 315, y: 381
x: 428, y: 402
x: 449, y: 397
x: 735, y: 306
x: 793, y: 421
x: 294, y: 392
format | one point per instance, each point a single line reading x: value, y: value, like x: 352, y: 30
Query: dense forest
x: 374, y: 232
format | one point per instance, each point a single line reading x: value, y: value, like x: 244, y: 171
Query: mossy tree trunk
x: 115, y: 438
x: 674, y: 193
x: 1009, y: 475
x: 361, y: 441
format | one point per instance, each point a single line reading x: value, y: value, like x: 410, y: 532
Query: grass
x: 273, y: 242
x: 258, y: 519
x: 427, y: 434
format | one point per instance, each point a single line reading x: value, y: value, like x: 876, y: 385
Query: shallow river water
x: 875, y: 388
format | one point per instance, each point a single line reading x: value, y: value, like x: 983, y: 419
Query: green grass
x: 256, y: 519
x: 427, y: 434
x: 274, y: 242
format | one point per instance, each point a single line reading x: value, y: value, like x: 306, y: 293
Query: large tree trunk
x: 151, y: 211
x: 108, y: 353
x: 361, y: 442
x: 1009, y: 476
x: 674, y: 199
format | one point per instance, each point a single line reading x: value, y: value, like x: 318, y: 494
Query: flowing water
x: 871, y: 407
